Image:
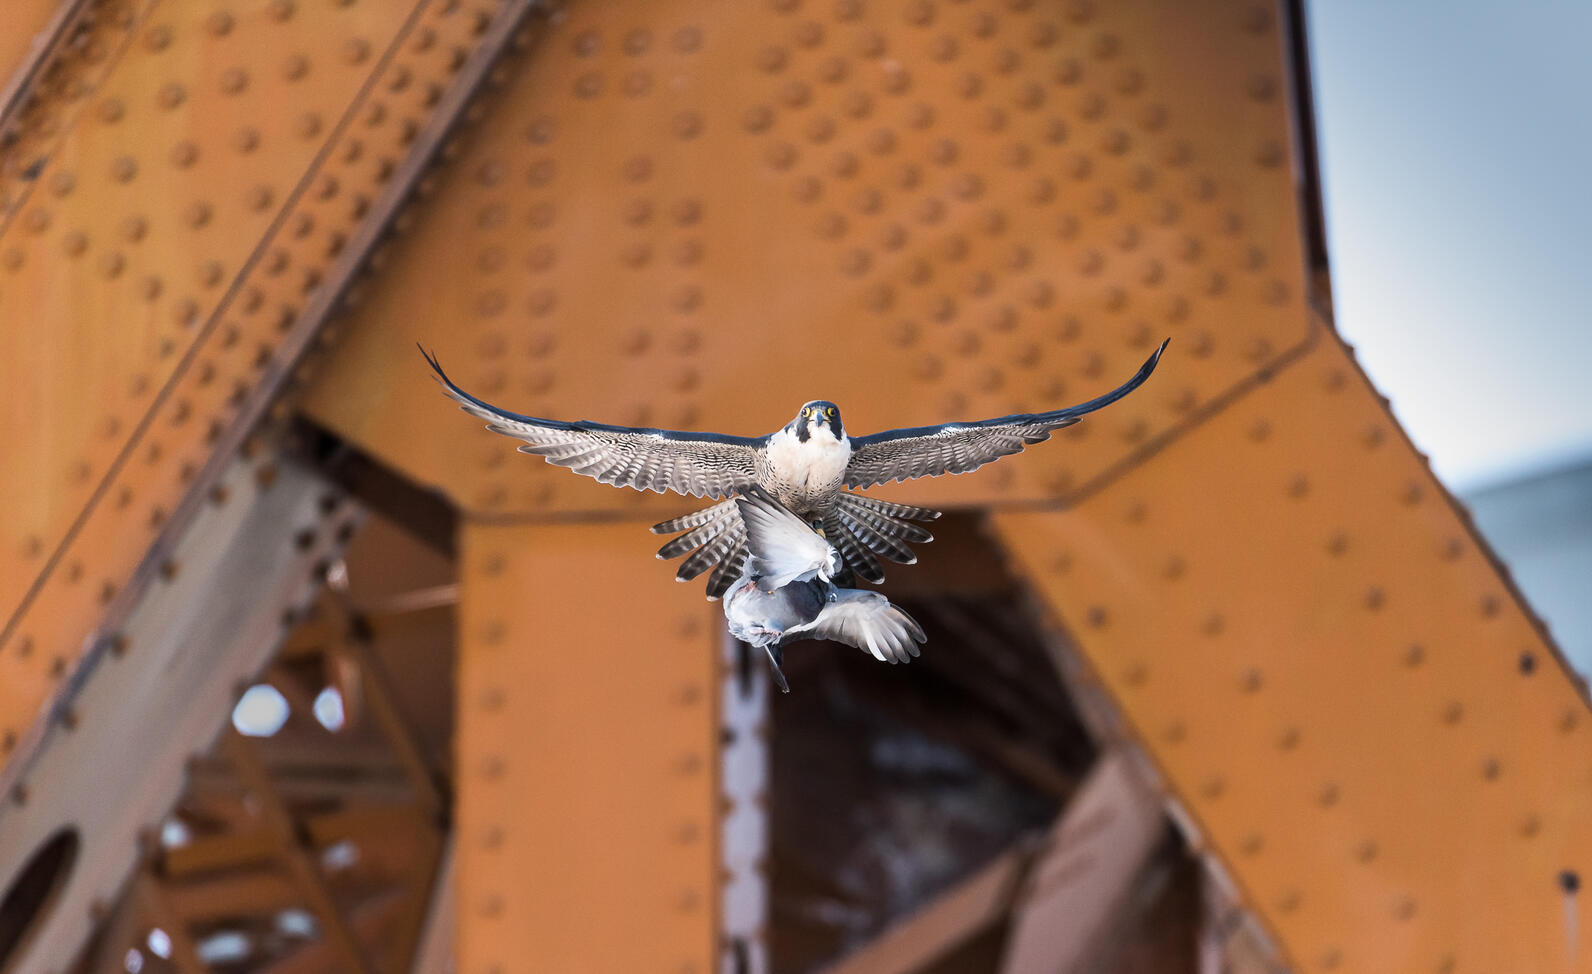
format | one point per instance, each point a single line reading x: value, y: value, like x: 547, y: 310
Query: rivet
x: 687, y: 125
x: 1213, y: 624
x: 1374, y: 598
x: 1288, y: 738
x: 1331, y: 958
x: 1490, y: 606
x: 1366, y: 851
x: 1175, y: 732
x: 1328, y: 795
x: 1530, y: 826
x: 184, y: 154
x: 1288, y: 901
x: 491, y: 905
x: 1569, y: 720
x: 1298, y: 486
x: 1251, y: 680
x: 1259, y: 430
x: 637, y: 42
x: 687, y: 39
x: 1453, y: 712
x: 171, y: 95
x: 1213, y: 787
x: 74, y: 243
x: 1491, y: 768
x: 234, y: 80
x: 1135, y: 674
x: 197, y: 214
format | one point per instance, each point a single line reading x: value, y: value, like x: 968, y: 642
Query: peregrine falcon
x: 786, y: 591
x: 806, y: 466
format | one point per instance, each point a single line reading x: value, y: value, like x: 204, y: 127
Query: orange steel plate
x: 700, y: 215
x: 1334, y: 678
x: 587, y: 756
x: 197, y: 185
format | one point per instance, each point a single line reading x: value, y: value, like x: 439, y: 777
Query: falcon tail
x: 863, y: 528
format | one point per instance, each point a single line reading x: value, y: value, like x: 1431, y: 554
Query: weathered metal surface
x: 1358, y: 713
x: 1085, y: 872
x: 182, y: 237
x: 588, y: 755
x: 114, y: 759
x: 700, y: 216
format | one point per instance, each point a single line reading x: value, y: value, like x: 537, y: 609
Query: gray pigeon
x: 786, y: 591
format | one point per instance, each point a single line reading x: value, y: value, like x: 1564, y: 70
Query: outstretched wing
x: 698, y: 464
x: 868, y: 621
x: 783, y: 547
x: 928, y: 451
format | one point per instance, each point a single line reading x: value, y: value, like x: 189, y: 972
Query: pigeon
x: 786, y: 591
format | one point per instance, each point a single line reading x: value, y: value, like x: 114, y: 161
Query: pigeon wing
x: 782, y: 546
x: 868, y: 621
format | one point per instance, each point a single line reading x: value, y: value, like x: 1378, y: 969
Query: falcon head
x: 818, y: 414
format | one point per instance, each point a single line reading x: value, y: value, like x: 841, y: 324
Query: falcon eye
x: 831, y: 412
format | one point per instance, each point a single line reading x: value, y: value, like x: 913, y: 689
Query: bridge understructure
x: 1220, y: 679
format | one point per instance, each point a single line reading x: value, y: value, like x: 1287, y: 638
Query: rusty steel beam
x: 588, y: 755
x: 256, y: 229
x: 1379, y: 750
x: 164, y: 688
x: 926, y: 211
x: 1079, y: 881
x: 333, y: 930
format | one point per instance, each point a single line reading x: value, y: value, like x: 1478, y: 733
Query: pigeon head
x: 818, y: 414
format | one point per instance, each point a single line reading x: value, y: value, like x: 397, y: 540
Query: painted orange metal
x: 701, y: 215
x: 588, y: 743
x: 1359, y: 712
x: 195, y: 188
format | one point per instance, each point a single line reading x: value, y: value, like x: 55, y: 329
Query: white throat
x: 814, y: 465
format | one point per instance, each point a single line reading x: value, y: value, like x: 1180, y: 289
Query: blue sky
x: 1456, y: 149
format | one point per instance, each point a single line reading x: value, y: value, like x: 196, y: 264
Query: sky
x: 1456, y: 156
